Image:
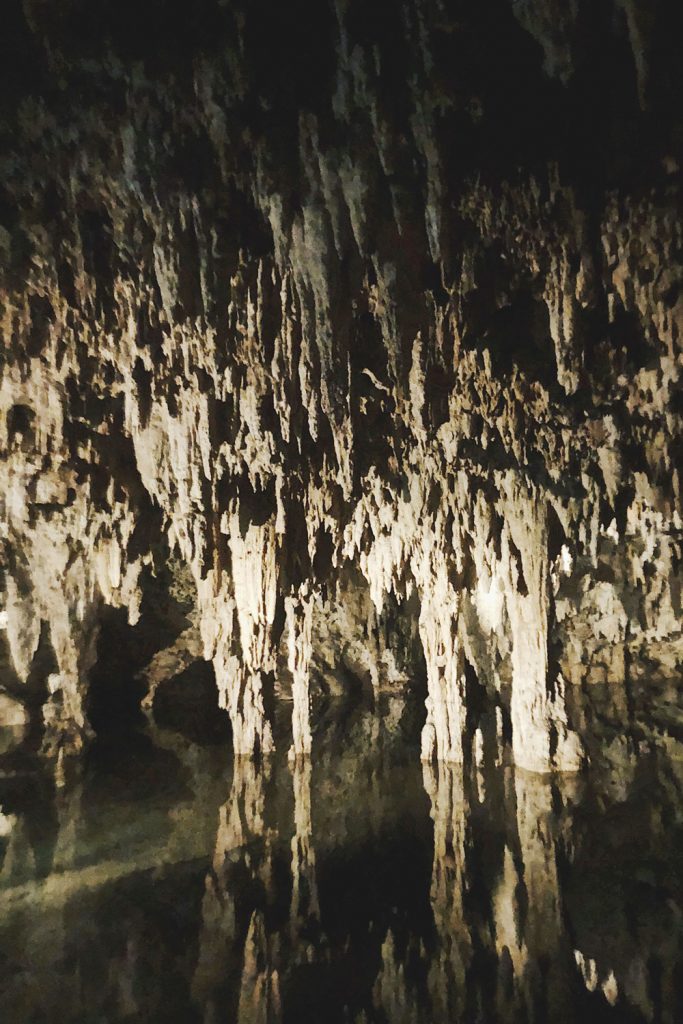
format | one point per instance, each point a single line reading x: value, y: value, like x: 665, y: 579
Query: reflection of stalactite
x: 608, y: 985
x: 260, y: 989
x: 243, y: 845
x: 537, y: 839
x: 534, y: 956
x: 18, y: 858
x: 69, y: 812
x: 391, y: 994
x: 447, y: 973
x: 524, y: 921
x: 304, y: 903
x: 241, y: 823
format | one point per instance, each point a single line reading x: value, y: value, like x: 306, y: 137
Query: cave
x: 341, y: 525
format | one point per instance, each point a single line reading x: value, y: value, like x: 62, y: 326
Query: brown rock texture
x: 339, y: 290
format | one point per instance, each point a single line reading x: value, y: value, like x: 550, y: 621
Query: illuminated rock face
x: 293, y: 293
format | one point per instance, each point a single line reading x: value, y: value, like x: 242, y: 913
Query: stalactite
x: 299, y: 628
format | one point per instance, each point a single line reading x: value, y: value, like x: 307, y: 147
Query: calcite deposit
x: 369, y: 316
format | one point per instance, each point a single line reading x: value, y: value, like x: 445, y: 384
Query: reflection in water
x: 240, y: 842
x: 448, y: 968
x: 304, y: 888
x: 360, y: 888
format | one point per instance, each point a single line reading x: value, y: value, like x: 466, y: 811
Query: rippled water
x: 174, y: 887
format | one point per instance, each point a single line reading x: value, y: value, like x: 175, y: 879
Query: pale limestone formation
x: 356, y: 339
x: 299, y: 628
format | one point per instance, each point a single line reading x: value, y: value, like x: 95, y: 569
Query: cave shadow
x: 123, y: 756
x: 187, y: 704
x: 342, y: 691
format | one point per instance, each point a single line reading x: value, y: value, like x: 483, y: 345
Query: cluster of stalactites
x: 338, y: 397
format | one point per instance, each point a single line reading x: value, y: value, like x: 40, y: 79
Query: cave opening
x: 151, y: 697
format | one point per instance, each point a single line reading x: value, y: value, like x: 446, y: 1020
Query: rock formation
x: 347, y: 287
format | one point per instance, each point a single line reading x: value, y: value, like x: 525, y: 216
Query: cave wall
x: 291, y: 288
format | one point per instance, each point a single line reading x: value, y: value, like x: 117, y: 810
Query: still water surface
x: 168, y: 887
